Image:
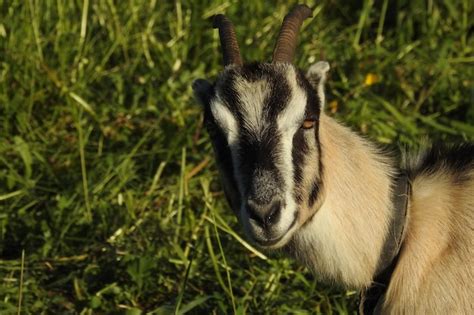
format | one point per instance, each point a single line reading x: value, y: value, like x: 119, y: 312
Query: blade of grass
x: 11, y: 195
x: 182, y: 179
x: 82, y: 37
x: 383, y: 13
x: 431, y: 122
x: 193, y: 304
x: 405, y: 121
x: 467, y: 128
x: 35, y: 26
x: 363, y: 18
x: 224, y: 227
x: 82, y: 156
x: 213, y: 260
x: 229, y: 280
x: 20, y: 291
x: 183, y: 285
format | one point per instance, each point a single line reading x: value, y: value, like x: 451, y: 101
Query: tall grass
x: 107, y: 182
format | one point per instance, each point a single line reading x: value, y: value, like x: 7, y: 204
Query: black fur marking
x: 224, y: 161
x: 299, y: 151
x: 203, y: 90
x: 254, y: 71
x: 314, y: 194
x: 279, y: 88
x: 226, y: 88
x: 278, y: 98
x: 458, y: 159
x: 300, y: 146
x: 320, y: 157
x: 259, y: 155
x: 313, y: 106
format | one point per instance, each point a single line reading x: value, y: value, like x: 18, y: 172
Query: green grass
x: 109, y: 195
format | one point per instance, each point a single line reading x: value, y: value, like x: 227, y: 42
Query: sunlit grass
x: 107, y: 180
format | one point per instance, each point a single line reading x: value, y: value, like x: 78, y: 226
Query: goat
x: 301, y: 182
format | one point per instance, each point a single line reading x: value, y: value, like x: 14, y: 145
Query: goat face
x: 263, y: 123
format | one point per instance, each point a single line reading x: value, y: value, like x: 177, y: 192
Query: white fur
x: 318, y: 71
x: 228, y: 123
x: 252, y: 96
x: 343, y: 240
x: 289, y: 121
x: 225, y: 119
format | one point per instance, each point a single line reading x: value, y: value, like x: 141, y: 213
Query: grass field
x: 109, y: 196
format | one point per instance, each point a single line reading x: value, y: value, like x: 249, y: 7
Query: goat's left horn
x: 229, y: 45
x: 287, y: 39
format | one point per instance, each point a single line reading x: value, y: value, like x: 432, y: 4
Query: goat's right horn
x: 287, y: 39
x: 229, y: 45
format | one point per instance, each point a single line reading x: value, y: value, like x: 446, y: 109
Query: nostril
x: 254, y: 212
x: 274, y: 214
x: 264, y: 215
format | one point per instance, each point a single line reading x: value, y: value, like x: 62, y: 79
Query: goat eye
x: 308, y: 124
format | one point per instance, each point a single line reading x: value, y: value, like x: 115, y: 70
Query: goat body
x: 305, y: 184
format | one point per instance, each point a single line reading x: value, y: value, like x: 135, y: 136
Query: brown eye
x: 308, y: 124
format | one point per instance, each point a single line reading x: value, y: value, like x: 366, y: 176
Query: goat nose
x: 266, y: 214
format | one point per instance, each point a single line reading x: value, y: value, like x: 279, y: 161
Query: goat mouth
x: 268, y: 243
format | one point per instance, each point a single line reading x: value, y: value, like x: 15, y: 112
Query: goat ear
x: 203, y: 90
x: 316, y: 75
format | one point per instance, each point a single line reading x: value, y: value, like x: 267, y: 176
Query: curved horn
x: 229, y: 45
x: 287, y: 39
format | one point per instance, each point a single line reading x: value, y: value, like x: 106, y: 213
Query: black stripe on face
x: 279, y: 97
x: 314, y: 192
x: 299, y: 151
x: 224, y: 160
x: 313, y: 197
x: 226, y: 167
x: 228, y: 93
x: 254, y: 71
x: 313, y: 106
x: 278, y: 88
x: 260, y: 154
x: 301, y: 147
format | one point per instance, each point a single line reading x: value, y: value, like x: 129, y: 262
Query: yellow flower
x: 333, y: 106
x: 371, y: 78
